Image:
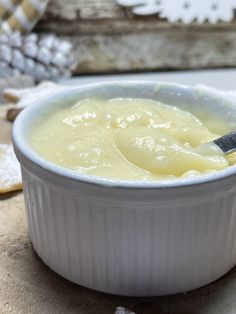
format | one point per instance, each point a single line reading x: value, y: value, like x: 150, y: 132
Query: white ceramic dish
x: 130, y: 238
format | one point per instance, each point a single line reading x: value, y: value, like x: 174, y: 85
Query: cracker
x: 26, y: 96
x: 21, y: 81
x: 10, y: 174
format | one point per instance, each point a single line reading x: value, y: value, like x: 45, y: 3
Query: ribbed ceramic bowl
x: 130, y: 238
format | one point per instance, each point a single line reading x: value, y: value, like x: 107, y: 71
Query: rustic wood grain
x: 84, y: 9
x: 108, y: 38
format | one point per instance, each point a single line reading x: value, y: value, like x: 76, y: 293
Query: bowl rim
x: 22, y: 147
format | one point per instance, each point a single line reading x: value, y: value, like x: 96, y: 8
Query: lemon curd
x: 128, y: 139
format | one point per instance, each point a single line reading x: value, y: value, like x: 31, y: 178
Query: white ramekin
x: 130, y: 238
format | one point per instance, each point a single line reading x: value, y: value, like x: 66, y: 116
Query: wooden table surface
x: 29, y: 286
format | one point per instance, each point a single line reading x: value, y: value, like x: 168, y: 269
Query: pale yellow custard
x: 129, y: 139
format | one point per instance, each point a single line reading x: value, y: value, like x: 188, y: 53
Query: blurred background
x: 120, y: 36
x: 109, y: 38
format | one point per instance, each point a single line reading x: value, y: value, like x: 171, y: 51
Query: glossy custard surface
x: 128, y: 139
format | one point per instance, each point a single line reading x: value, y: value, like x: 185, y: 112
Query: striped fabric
x: 20, y: 15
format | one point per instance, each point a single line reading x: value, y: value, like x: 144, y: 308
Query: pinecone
x: 43, y: 58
